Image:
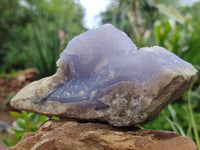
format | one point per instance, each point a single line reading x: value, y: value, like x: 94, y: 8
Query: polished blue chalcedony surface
x: 86, y: 51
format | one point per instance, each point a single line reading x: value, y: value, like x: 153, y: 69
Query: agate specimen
x: 102, y: 76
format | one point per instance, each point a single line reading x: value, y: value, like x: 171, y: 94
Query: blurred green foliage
x: 26, y: 122
x: 177, y: 28
x: 33, y: 33
x: 6, y: 100
x: 164, y: 23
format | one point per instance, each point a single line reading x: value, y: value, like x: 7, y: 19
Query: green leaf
x: 11, y: 140
x: 172, y: 112
x: 18, y: 134
x: 33, y: 117
x: 55, y: 118
x: 157, y: 28
x: 6, y: 142
x: 42, y: 118
x: 18, y: 126
x: 167, y: 29
x: 180, y: 129
x: 16, y: 114
x: 172, y: 124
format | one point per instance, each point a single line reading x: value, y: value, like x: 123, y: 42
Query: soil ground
x: 9, y: 86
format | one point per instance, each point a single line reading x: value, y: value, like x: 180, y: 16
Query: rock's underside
x: 71, y: 135
x: 102, y: 76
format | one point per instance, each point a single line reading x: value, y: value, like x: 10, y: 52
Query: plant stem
x: 195, y: 130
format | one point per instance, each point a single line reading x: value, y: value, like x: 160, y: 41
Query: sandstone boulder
x: 72, y: 135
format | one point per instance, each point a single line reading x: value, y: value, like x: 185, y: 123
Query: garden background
x: 34, y: 32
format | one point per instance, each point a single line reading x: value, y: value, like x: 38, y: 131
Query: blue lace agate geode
x: 102, y: 76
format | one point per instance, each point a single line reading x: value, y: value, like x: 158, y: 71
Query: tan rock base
x: 72, y: 135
